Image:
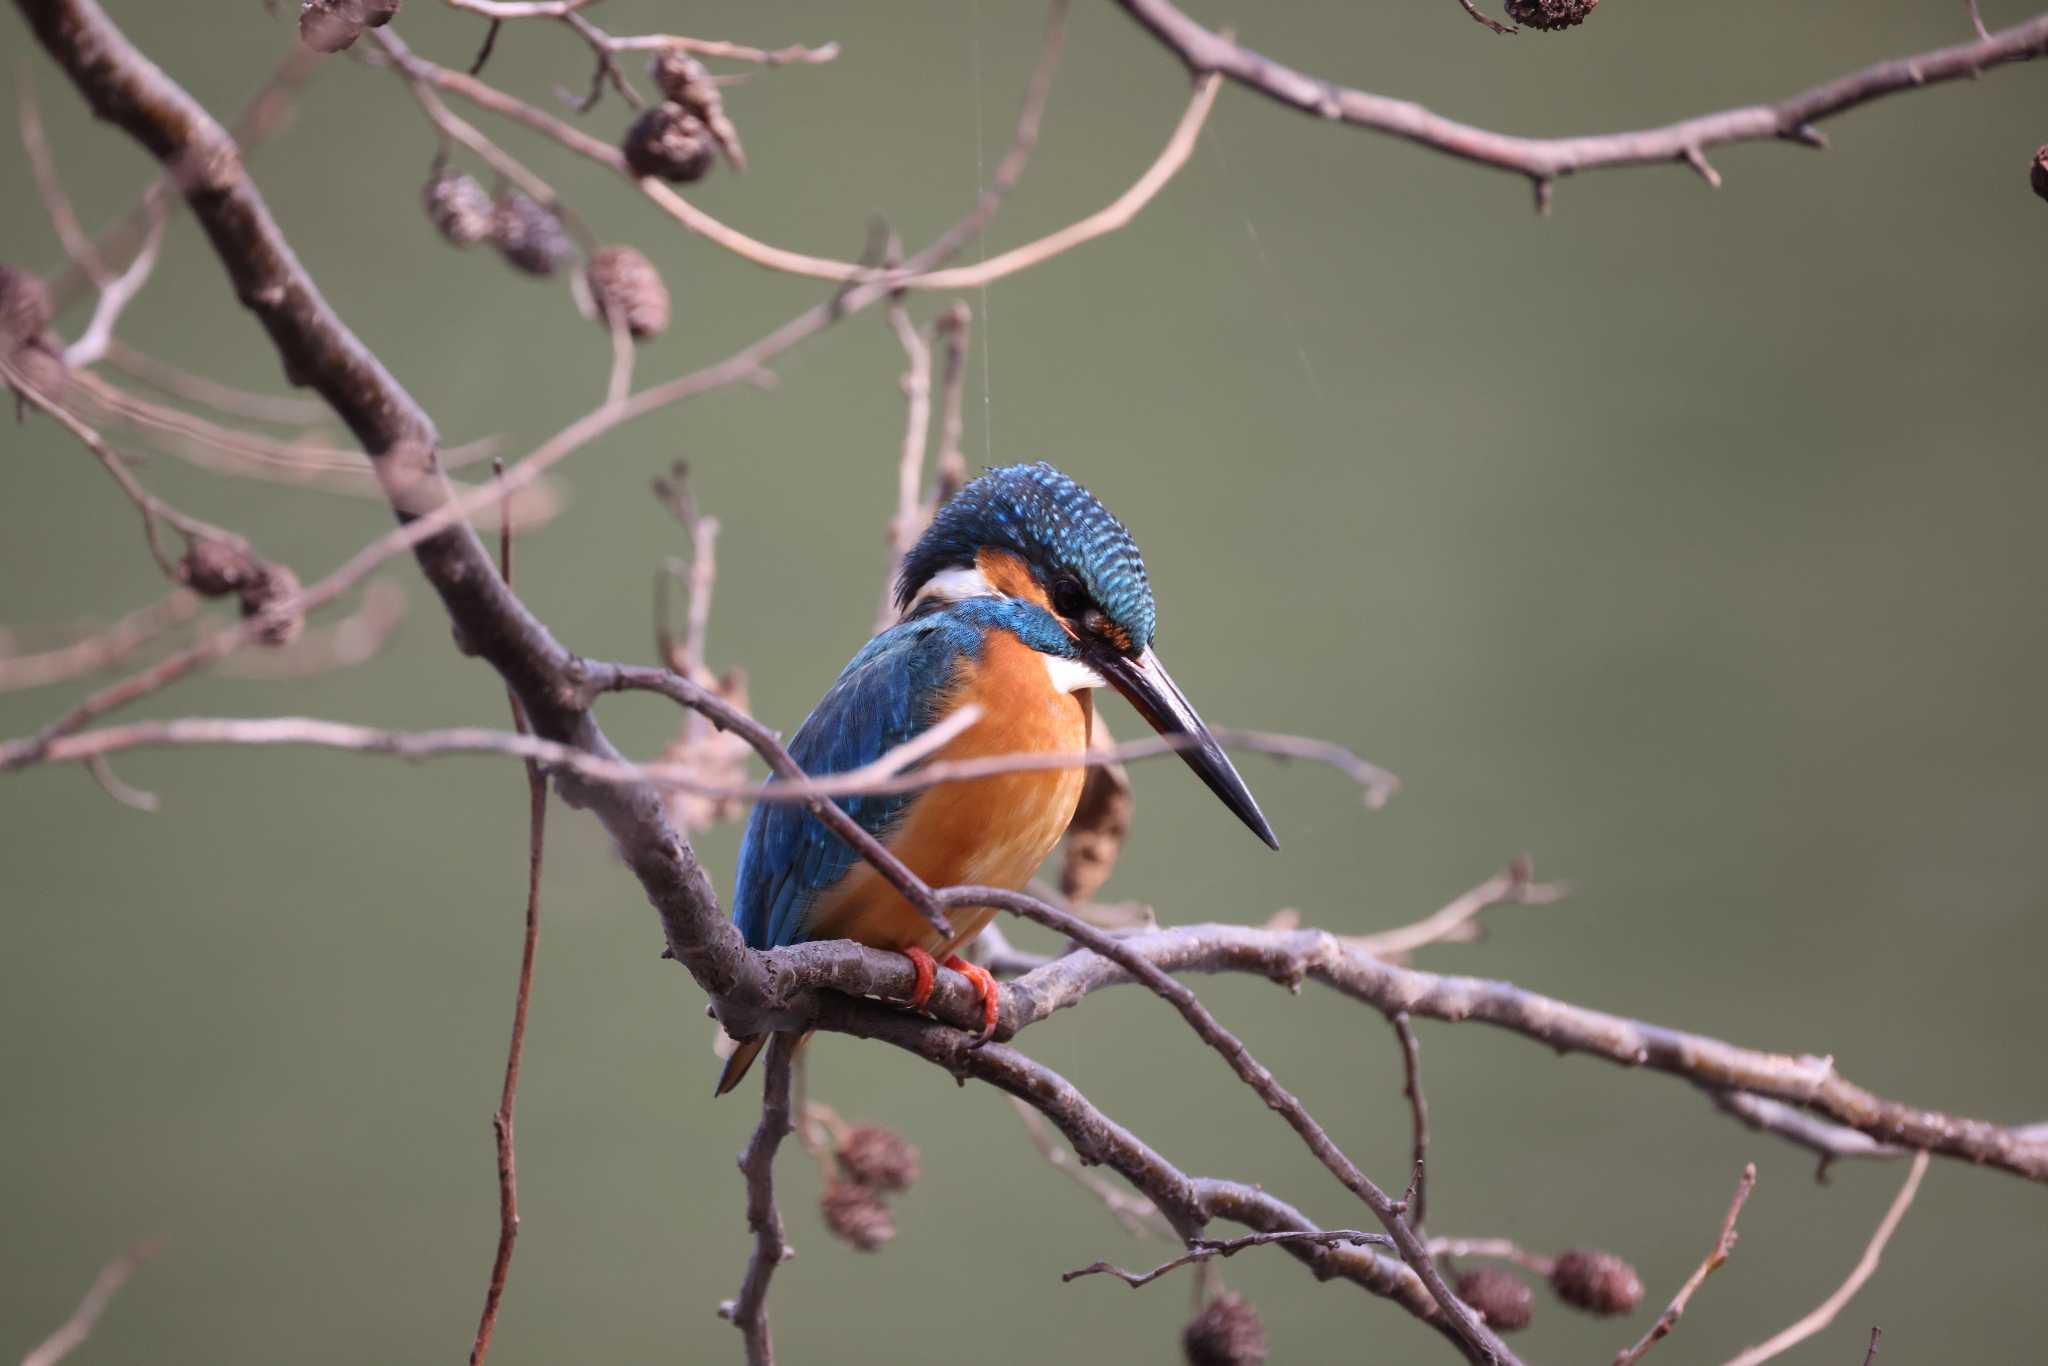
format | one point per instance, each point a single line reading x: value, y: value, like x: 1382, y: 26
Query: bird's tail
x: 743, y: 1058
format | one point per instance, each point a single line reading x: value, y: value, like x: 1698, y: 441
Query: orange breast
x: 993, y: 831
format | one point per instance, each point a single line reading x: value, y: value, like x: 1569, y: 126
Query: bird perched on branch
x: 1022, y: 597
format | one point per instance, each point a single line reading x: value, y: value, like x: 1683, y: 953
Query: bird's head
x: 1031, y: 534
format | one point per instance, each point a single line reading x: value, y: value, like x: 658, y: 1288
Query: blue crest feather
x: 1052, y: 524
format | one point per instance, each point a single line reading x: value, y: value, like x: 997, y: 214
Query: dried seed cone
x: 1550, y: 15
x: 670, y: 142
x: 458, y: 207
x: 331, y: 25
x: 214, y: 568
x: 880, y: 1159
x: 1226, y: 1333
x: 25, y: 308
x: 527, y: 235
x: 628, y: 289
x: 1502, y: 1298
x: 2038, y: 173
x: 1595, y: 1281
x: 271, y: 583
x: 686, y: 82
x: 856, y: 1215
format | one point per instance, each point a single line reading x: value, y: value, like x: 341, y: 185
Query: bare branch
x: 1457, y: 921
x: 1417, y: 1199
x: 1138, y: 1215
x: 101, y: 649
x: 910, y: 515
x: 749, y: 1313
x: 1203, y: 1249
x: 1487, y: 20
x: 1478, y: 1339
x: 1291, y: 956
x: 1118, y: 213
x: 79, y: 1326
x: 1830, y: 1141
x: 224, y: 398
x: 1723, y: 1245
x: 1866, y: 1265
x: 118, y: 293
x: 1205, y: 52
x: 515, y: 1050
x: 950, y: 329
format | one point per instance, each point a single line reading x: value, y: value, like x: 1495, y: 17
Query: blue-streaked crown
x: 1054, y: 526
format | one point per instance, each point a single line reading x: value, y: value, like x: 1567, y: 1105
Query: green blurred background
x: 1685, y: 539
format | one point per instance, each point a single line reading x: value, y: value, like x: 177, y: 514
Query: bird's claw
x: 991, y: 995
x: 984, y: 982
x: 927, y: 969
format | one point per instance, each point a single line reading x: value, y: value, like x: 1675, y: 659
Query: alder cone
x: 272, y: 583
x: 1227, y: 1332
x: 527, y: 235
x: 459, y: 208
x: 214, y: 569
x: 628, y: 289
x: 1548, y: 16
x: 856, y: 1215
x: 1597, y: 1282
x: 1502, y: 1298
x: 671, y: 143
x: 879, y: 1158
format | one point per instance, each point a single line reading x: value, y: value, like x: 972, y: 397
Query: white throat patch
x: 959, y: 584
x: 1071, y: 675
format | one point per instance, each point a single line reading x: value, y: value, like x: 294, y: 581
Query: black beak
x: 1145, y: 685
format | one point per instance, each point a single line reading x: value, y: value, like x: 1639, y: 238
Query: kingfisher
x: 1022, y: 597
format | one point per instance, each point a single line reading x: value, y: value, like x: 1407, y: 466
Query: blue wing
x: 889, y: 694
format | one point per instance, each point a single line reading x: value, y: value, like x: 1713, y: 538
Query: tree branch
x: 1824, y: 1313
x: 1718, y: 1255
x: 1204, y: 52
x: 749, y: 1313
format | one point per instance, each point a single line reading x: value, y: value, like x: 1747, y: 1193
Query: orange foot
x: 985, y: 984
x: 927, y: 971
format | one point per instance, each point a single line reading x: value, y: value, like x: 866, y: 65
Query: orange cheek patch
x: 1010, y: 576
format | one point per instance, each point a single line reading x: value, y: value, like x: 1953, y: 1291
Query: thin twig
x: 1831, y: 1142
x: 908, y: 520
x: 1496, y: 1249
x: 1204, y: 1249
x: 1457, y: 920
x: 1479, y: 1340
x: 950, y: 330
x: 508, y: 1096
x: 152, y: 508
x: 1723, y: 1245
x: 1118, y: 213
x: 79, y: 1326
x: 1138, y: 1215
x: 1205, y: 52
x: 181, y: 383
x: 1870, y: 1352
x: 56, y: 203
x: 899, y: 770
x: 749, y: 1313
x: 1417, y: 1198
x: 1507, y: 30
x: 115, y: 296
x: 1824, y: 1313
x: 99, y: 649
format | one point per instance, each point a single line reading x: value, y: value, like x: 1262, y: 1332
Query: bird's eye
x: 1069, y: 599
